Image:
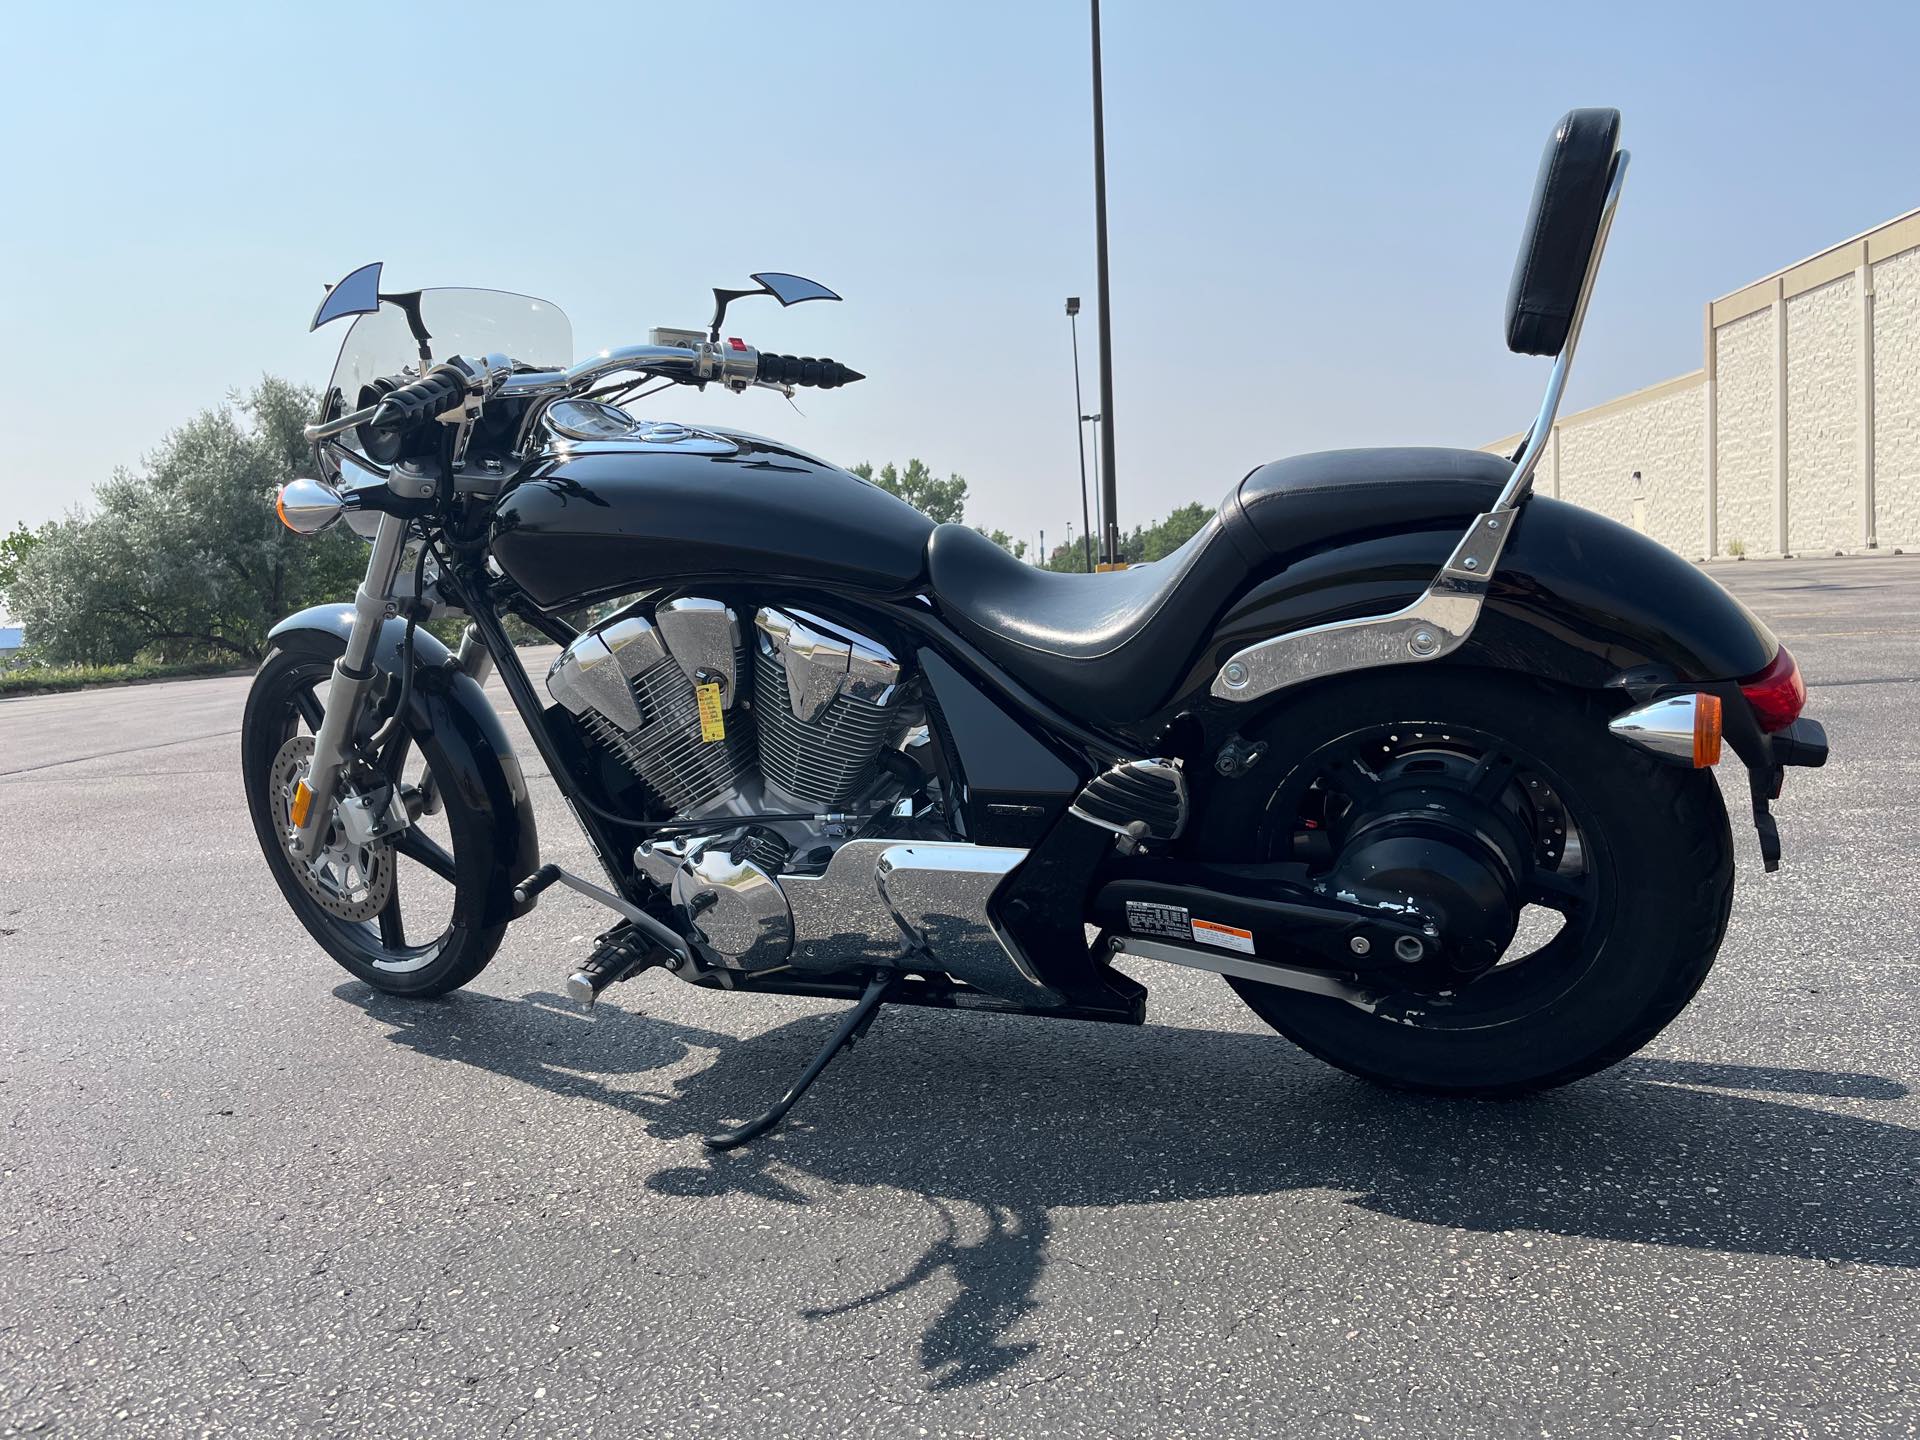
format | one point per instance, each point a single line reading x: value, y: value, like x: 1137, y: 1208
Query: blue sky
x: 1314, y: 208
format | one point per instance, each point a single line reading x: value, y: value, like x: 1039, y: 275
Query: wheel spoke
x: 393, y: 934
x: 1349, y: 776
x: 1565, y: 893
x: 308, y: 704
x: 422, y: 848
x: 1491, y: 776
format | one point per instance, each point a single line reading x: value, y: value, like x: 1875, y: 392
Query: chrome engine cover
x: 738, y: 906
x: 908, y: 905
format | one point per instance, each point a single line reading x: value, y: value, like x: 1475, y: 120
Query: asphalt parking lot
x: 241, y: 1194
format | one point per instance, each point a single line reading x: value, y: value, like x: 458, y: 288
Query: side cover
x: 1577, y: 599
x: 449, y: 706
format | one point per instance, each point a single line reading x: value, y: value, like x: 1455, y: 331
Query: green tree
x: 1015, y: 548
x: 15, y: 546
x: 942, y: 501
x: 1151, y: 542
x: 1171, y: 533
x: 185, y: 557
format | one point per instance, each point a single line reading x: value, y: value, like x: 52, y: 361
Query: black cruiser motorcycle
x: 1417, y: 760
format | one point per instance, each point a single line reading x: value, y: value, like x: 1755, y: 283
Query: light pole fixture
x: 1073, y: 321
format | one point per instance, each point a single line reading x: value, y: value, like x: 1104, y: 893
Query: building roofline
x: 1821, y: 253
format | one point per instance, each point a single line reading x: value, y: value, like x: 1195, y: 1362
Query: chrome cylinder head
x: 632, y: 684
x: 825, y: 699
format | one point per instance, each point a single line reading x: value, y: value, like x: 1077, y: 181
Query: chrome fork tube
x: 353, y: 672
x: 473, y: 656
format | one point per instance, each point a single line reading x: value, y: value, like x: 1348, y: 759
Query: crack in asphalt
x: 109, y: 754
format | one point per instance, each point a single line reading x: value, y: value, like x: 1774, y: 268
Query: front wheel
x: 406, y: 916
x: 1612, y: 872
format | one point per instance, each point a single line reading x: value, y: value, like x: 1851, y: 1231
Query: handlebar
x: 805, y: 370
x: 446, y: 387
x: 440, y: 390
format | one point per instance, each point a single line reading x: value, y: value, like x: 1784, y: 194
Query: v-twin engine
x: 709, y: 722
x: 795, y: 716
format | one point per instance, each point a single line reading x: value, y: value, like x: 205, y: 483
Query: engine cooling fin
x: 668, y: 751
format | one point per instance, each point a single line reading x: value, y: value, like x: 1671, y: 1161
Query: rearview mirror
x: 357, y: 294
x: 792, y: 289
x: 787, y: 289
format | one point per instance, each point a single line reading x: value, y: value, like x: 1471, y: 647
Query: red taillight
x: 1777, y: 694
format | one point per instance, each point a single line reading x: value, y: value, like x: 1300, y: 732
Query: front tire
x: 1641, y: 928
x: 419, y: 930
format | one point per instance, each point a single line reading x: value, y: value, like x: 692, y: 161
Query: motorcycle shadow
x: 1033, y: 1117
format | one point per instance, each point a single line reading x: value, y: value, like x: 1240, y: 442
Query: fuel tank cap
x: 671, y: 434
x: 587, y: 421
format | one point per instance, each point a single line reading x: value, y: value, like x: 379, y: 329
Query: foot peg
x: 620, y: 954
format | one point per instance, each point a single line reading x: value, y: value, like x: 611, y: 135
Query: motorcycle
x: 1418, y: 760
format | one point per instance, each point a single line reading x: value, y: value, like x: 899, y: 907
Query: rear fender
x: 450, y: 706
x: 1577, y: 599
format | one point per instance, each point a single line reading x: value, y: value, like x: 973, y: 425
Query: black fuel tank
x: 609, y: 517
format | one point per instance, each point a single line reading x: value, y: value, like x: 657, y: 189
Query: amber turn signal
x: 307, y: 507
x: 1706, y: 730
x: 1680, y: 729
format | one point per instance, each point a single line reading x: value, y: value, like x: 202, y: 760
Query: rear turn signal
x: 1706, y: 730
x: 1777, y: 694
x: 1681, y: 729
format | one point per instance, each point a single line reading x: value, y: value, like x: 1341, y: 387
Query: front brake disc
x: 351, y: 882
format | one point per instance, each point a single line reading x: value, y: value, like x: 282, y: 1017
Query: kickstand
x: 852, y: 1026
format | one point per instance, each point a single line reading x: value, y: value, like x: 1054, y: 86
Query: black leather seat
x: 1113, y: 646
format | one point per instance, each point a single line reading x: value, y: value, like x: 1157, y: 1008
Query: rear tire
x: 1661, y: 891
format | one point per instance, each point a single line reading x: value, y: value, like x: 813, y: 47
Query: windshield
x: 532, y: 333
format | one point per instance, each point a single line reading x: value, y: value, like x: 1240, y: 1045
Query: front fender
x: 1577, y: 598
x: 474, y: 751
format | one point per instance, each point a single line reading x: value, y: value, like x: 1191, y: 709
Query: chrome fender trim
x: 1436, y: 624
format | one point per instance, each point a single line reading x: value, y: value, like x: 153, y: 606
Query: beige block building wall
x: 1799, y: 434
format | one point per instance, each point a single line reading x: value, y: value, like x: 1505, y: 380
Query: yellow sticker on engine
x: 713, y: 724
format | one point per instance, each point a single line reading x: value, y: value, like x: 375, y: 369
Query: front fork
x: 353, y: 672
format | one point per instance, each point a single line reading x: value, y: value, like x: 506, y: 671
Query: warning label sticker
x: 1227, y: 937
x: 713, y: 721
x: 1144, y: 918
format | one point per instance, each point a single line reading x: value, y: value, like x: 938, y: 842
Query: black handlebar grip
x: 441, y: 389
x: 805, y: 370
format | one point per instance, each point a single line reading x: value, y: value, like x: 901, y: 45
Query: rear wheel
x: 400, y: 914
x: 1585, y: 894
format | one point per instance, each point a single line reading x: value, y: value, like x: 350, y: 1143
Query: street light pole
x: 1094, y: 420
x: 1080, y: 430
x: 1108, y: 490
